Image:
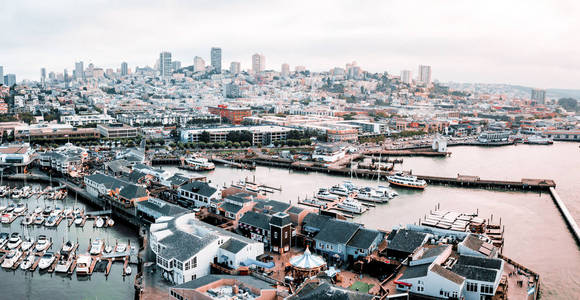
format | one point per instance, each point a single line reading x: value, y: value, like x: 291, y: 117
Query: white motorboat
x: 14, y: 241
x: 51, y: 221
x: 315, y: 202
x: 4, y: 238
x: 26, y: 243
x: 67, y: 211
x: 121, y: 247
x: 387, y: 191
x: 6, y: 218
x: 110, y: 222
x: 56, y: 212
x: 20, y: 207
x: 78, y: 220
x: 351, y: 205
x: 28, y: 262
x: 29, y: 219
x: 539, y: 140
x: 199, y: 164
x: 339, y: 190
x: 47, y: 210
x: 108, y: 249
x: 83, y: 264
x: 38, y: 220
x: 99, y: 222
x: 68, y: 246
x: 10, y: 208
x: 408, y: 181
x: 371, y: 195
x: 128, y: 270
x: 38, y: 210
x: 42, y: 243
x: 46, y: 260
x: 11, y: 258
x: 64, y: 262
x: 324, y: 194
x: 96, y: 246
x: 2, y: 207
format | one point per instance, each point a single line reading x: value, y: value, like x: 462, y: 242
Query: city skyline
x: 475, y: 42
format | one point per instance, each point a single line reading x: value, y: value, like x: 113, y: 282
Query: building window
x: 420, y: 288
x: 486, y: 289
x: 472, y: 287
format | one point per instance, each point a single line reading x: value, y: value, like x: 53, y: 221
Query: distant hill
x: 519, y: 90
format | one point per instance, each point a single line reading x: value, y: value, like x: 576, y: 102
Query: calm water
x: 18, y: 284
x: 535, y: 232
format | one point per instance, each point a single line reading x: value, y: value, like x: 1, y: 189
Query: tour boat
x: 11, y: 258
x: 64, y: 262
x: 199, y: 164
x: 42, y: 243
x: 371, y: 195
x: 14, y: 241
x: 351, y: 205
x: 539, y: 140
x: 83, y: 264
x: 324, y: 194
x: 339, y: 190
x: 96, y: 246
x: 28, y: 262
x: 27, y: 243
x: 408, y: 181
x: 46, y: 260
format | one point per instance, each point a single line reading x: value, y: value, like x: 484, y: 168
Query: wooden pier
x: 477, y: 182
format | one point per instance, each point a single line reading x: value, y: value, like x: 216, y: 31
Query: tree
x: 569, y: 104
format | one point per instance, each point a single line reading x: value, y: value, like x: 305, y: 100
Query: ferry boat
x: 351, y: 205
x: 11, y: 258
x: 339, y: 190
x: 324, y: 194
x: 372, y: 195
x: 46, y: 260
x: 83, y: 264
x: 315, y: 202
x: 409, y: 181
x: 198, y: 164
x: 539, y: 140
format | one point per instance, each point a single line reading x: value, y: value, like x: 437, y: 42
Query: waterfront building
x: 539, y: 95
x: 84, y: 120
x: 165, y: 65
x: 328, y: 152
x: 274, y: 230
x: 16, y: 157
x: 153, y: 209
x: 258, y: 63
x: 45, y: 131
x: 67, y: 159
x: 186, y: 248
x: 260, y: 135
x: 159, y: 175
x: 235, y: 67
x: 128, y: 194
x: 402, y: 243
x: 216, y: 59
x: 235, y: 206
x: 563, y: 135
x: 117, y: 130
x: 424, y: 75
x: 197, y: 194
x: 230, y: 286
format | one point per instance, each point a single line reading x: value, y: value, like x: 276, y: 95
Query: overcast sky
x: 533, y: 43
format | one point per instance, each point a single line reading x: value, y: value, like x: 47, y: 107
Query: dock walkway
x: 574, y: 229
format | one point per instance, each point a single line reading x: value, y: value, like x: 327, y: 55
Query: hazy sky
x: 534, y: 43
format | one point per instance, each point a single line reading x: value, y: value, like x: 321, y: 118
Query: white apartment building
x: 83, y: 120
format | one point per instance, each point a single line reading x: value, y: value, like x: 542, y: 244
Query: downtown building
x: 261, y: 135
x: 216, y: 59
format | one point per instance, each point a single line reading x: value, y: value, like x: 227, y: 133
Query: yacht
x: 83, y: 264
x: 64, y: 262
x: 38, y: 220
x: 539, y: 140
x: 14, y: 241
x: 351, y: 205
x: 199, y: 164
x: 96, y: 246
x: 11, y: 258
x: 28, y: 262
x: 387, y: 191
x: 46, y: 260
x: 6, y: 218
x: 409, y: 181
x: 350, y: 186
x: 371, y: 195
x: 67, y: 211
x: 27, y: 243
x: 42, y: 243
x: 324, y: 194
x: 339, y: 190
x: 315, y: 202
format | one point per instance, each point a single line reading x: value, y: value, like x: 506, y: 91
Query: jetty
x: 572, y: 225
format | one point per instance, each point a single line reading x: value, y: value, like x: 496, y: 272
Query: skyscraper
x: 258, y: 63
x: 9, y: 79
x: 176, y: 65
x: 216, y: 59
x: 235, y: 67
x: 406, y: 76
x: 124, y: 69
x: 1, y: 75
x: 165, y: 66
x: 79, y: 71
x: 198, y: 64
x: 66, y: 79
x: 42, y: 76
x: 539, y: 95
x: 285, y: 70
x: 424, y: 75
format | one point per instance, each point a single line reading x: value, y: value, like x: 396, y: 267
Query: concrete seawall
x: 568, y: 218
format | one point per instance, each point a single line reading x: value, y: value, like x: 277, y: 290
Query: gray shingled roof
x: 447, y: 274
x: 200, y: 188
x: 131, y: 191
x: 250, y: 281
x: 295, y: 210
x: 363, y: 238
x: 337, y: 232
x: 277, y: 206
x: 406, y: 241
x: 315, y: 221
x: 233, y: 245
x: 323, y: 291
x: 415, y: 271
x: 229, y: 207
x: 475, y: 273
x: 255, y: 219
x: 483, y: 262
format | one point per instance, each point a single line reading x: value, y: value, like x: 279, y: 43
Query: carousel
x: 306, y: 265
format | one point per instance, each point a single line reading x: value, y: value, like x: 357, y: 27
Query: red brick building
x: 234, y: 114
